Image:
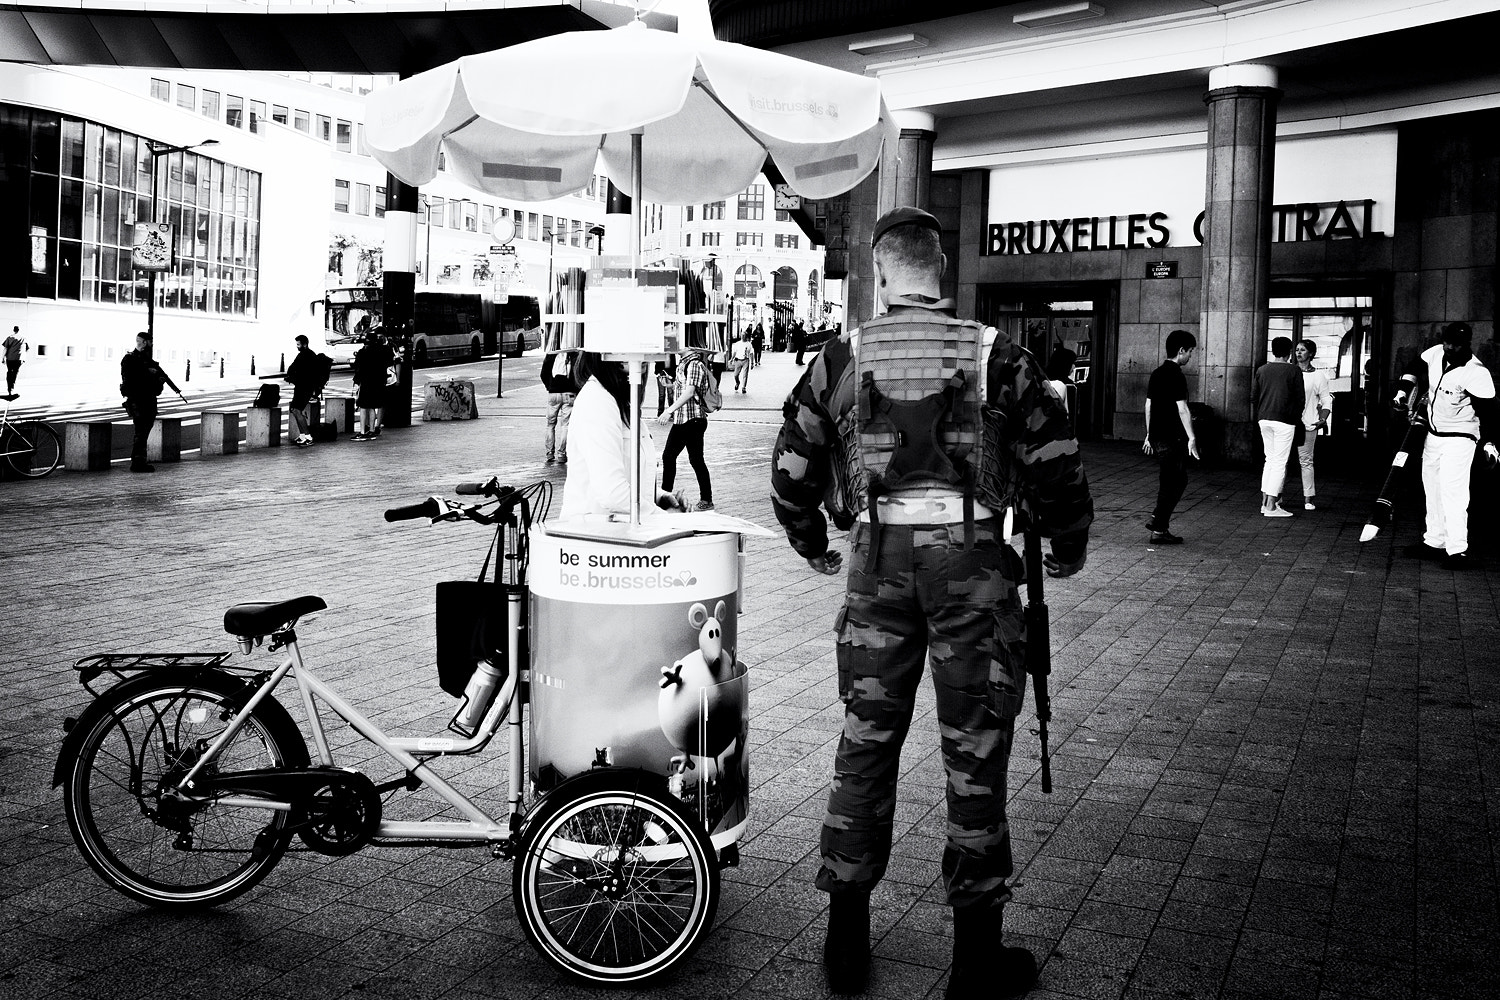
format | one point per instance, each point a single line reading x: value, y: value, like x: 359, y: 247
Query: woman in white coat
x: 599, y: 446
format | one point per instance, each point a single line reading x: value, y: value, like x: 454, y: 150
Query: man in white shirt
x: 741, y: 356
x: 1455, y: 400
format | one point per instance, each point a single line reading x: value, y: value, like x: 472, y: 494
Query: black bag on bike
x: 470, y: 627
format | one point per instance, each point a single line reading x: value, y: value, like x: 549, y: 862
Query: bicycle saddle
x: 264, y: 617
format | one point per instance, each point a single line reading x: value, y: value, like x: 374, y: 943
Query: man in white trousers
x: 1279, y: 397
x: 1455, y: 397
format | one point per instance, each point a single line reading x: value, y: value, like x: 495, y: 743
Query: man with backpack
x: 923, y: 461
x: 696, y: 395
x: 308, y: 374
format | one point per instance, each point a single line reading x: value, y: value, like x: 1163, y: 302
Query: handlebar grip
x: 427, y: 508
x: 489, y: 486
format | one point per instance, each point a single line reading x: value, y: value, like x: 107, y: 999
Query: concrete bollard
x: 219, y: 433
x: 164, y: 444
x: 340, y: 410
x: 263, y: 427
x: 86, y: 445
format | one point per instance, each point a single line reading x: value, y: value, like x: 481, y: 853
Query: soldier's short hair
x: 910, y: 248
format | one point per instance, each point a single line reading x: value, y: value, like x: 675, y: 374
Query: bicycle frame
x: 479, y: 827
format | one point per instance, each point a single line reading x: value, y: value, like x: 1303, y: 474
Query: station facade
x: 1108, y: 172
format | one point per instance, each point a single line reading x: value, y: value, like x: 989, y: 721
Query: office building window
x: 301, y: 121
x: 380, y: 201
x: 689, y: 214
x: 782, y: 215
x: 711, y: 239
x: 279, y: 114
x: 687, y: 240
x: 487, y: 219
x: 187, y: 97
x: 257, y: 114
x: 361, y: 199
x: 435, y: 208
x: 456, y: 214
x: 471, y: 216
x: 234, y: 111
x: 749, y: 239
x: 752, y: 203
x: 84, y: 187
x: 786, y: 242
x: 161, y: 89
x: 713, y: 210
x: 341, y: 196
x: 325, y: 128
x: 344, y: 137
x: 533, y: 226
x: 210, y: 104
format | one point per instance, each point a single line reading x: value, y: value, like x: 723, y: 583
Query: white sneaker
x: 1277, y: 511
x: 1309, y: 505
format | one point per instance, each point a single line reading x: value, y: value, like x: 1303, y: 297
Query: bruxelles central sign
x: 1293, y: 223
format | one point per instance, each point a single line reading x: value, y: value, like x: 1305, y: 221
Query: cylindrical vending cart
x: 634, y: 635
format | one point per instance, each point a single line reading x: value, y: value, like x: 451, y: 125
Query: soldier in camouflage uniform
x: 927, y: 594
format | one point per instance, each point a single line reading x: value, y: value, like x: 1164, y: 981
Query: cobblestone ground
x: 1275, y: 749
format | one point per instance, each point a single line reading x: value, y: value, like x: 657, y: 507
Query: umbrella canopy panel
x: 709, y: 114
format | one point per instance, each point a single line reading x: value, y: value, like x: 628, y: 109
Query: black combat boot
x: 982, y: 967
x: 846, y: 949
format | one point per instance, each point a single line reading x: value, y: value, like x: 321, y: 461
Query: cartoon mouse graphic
x: 694, y: 679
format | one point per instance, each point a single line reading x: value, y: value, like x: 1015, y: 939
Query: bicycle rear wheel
x: 616, y: 882
x: 36, y: 448
x: 166, y: 851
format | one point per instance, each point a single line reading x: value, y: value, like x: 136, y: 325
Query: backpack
x: 322, y: 368
x: 711, y: 398
x: 920, y: 417
x: 268, y: 398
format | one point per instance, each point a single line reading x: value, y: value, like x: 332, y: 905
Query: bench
x: 263, y: 427
x: 86, y: 445
x: 164, y: 444
x: 340, y: 411
x: 219, y: 433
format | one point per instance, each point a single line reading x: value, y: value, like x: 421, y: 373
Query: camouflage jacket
x: 1050, y: 473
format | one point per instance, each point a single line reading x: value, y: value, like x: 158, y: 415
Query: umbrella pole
x: 635, y: 366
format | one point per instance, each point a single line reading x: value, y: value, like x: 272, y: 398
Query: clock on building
x: 786, y: 198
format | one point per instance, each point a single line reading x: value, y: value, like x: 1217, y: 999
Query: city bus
x: 458, y: 323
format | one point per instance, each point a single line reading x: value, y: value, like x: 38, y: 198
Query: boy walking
x: 1169, y: 433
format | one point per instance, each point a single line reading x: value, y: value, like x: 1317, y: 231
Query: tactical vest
x: 919, y: 417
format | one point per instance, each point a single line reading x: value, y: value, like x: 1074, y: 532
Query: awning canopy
x: 373, y: 38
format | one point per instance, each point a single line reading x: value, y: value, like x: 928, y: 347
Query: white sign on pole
x: 151, y: 249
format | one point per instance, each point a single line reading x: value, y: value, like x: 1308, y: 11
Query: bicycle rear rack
x: 119, y: 664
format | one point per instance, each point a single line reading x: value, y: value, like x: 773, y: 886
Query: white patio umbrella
x: 673, y: 120
x: 527, y: 122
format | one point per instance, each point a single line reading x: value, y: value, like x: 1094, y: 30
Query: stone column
x: 1237, y: 245
x: 904, y: 177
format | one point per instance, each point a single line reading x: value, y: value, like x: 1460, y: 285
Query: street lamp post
x: 157, y: 152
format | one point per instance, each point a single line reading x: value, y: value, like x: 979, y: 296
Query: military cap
x: 905, y: 216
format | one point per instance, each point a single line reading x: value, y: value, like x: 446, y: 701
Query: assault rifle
x: 1038, y: 645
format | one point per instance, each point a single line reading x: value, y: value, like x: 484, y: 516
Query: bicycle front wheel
x: 615, y: 883
x: 147, y: 843
x: 34, y: 449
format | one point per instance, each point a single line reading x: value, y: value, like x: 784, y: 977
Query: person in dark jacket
x: 1277, y: 392
x: 372, y: 365
x: 562, y: 389
x: 141, y: 381
x: 307, y: 378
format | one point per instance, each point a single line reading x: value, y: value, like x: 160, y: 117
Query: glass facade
x: 71, y: 192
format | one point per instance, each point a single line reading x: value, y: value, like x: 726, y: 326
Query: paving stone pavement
x: 1275, y: 749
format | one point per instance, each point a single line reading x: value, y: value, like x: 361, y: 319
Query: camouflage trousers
x: 927, y: 600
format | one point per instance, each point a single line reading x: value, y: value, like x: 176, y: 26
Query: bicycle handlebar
x: 490, y: 488
x: 429, y: 508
